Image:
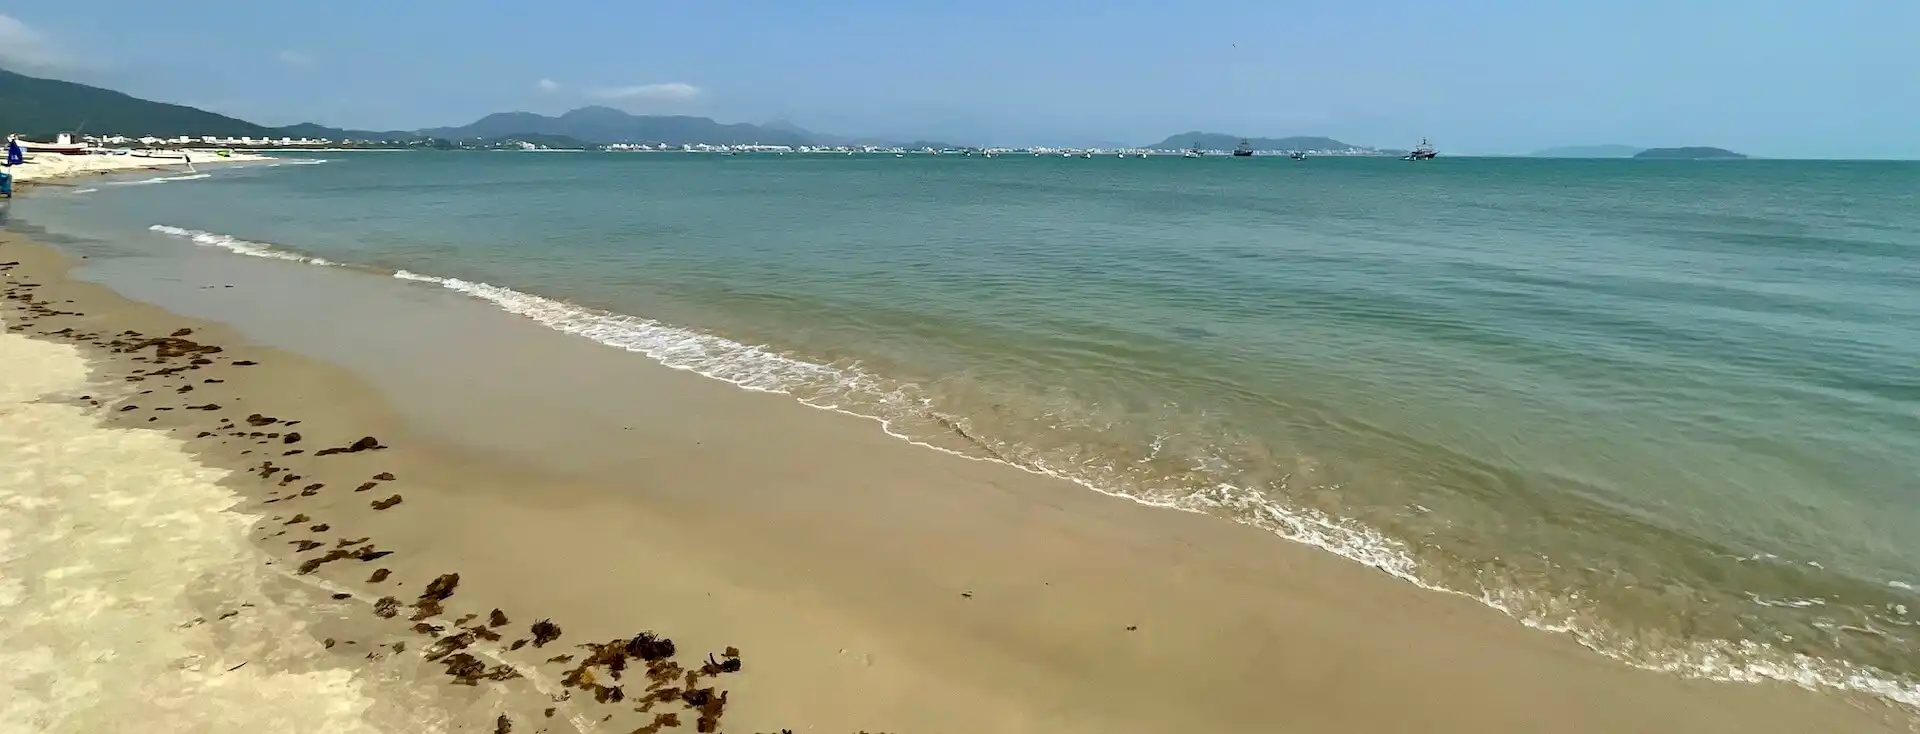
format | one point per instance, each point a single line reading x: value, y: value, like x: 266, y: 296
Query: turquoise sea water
x: 1672, y: 408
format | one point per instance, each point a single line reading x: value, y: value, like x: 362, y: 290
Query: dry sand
x: 868, y: 584
x: 44, y: 167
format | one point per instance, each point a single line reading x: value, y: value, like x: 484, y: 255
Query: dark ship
x: 1424, y: 152
x: 1244, y: 151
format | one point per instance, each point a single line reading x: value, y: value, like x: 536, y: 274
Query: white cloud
x: 547, y: 85
x: 663, y: 92
x: 294, y: 58
x: 23, y: 48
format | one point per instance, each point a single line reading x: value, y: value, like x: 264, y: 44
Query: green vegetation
x: 40, y: 108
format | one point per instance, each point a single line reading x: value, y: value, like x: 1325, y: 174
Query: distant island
x: 1690, y: 153
x: 1222, y: 141
x: 607, y: 125
x: 1588, y: 151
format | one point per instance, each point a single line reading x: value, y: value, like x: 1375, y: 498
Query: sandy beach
x: 46, y: 167
x: 249, y: 495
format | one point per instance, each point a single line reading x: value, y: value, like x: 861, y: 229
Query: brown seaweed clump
x: 366, y: 443
x: 729, y: 665
x: 441, y: 588
x: 711, y: 707
x: 166, y: 348
x: 659, y: 721
x: 447, y: 646
x: 544, y: 631
x: 387, y: 607
x: 667, y: 682
x: 362, y: 553
x: 438, y: 590
x: 467, y: 670
x: 386, y: 503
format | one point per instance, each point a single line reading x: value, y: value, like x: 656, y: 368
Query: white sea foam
x: 828, y: 387
x: 86, y: 191
x: 161, y: 179
x: 237, y: 245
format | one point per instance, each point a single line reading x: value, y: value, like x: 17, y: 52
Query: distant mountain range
x: 45, y: 106
x: 40, y: 108
x: 1222, y: 141
x: 607, y: 125
x: 1588, y: 151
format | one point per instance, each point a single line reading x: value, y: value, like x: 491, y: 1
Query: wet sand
x: 867, y: 584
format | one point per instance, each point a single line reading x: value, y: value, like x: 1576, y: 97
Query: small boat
x: 63, y: 144
x: 1422, y: 152
x: 1193, y: 152
x: 1297, y: 155
x: 1244, y: 150
x: 1088, y: 154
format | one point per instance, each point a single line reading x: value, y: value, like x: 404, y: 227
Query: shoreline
x: 53, y: 169
x: 748, y: 367
x: 1237, y: 629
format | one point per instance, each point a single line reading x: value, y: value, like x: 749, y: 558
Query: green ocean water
x: 1670, y: 407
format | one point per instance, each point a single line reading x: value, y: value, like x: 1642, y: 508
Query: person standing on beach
x: 14, y: 155
x: 6, y: 173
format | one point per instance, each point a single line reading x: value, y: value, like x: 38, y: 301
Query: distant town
x: 546, y: 143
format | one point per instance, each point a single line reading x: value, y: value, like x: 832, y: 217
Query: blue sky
x: 1766, y: 77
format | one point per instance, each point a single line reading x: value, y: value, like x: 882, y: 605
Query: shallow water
x: 1670, y: 407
